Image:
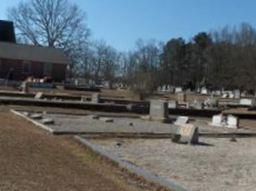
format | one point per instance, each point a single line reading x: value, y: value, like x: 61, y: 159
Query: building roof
x: 32, y: 53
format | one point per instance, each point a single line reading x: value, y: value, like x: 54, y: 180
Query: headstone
x: 232, y: 122
x: 237, y: 94
x: 218, y: 121
x: 196, y: 105
x: 95, y: 98
x: 172, y: 104
x: 181, y: 120
x: 243, y: 94
x: 204, y: 91
x: 26, y: 114
x: 48, y: 121
x: 130, y: 107
x: 218, y: 93
x: 83, y: 99
x: 231, y: 95
x: 178, y: 89
x: 225, y: 95
x: 107, y: 120
x: 36, y: 116
x: 76, y: 82
x: 171, y: 89
x: 181, y: 97
x: 188, y: 134
x: 24, y: 87
x: 211, y: 102
x: 246, y: 102
x: 159, y: 110
x: 39, y: 95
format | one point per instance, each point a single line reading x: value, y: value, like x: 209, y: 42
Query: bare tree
x: 52, y: 23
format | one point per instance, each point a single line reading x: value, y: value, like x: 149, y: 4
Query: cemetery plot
x: 115, y: 126
x: 94, y: 124
x: 213, y: 165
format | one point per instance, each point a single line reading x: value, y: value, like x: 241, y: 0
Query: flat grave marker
x: 181, y: 120
x: 39, y: 95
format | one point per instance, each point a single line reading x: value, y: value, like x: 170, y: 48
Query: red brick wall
x: 59, y: 72
x: 37, y: 70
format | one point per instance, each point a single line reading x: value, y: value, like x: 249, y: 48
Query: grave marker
x: 237, y: 94
x: 178, y: 89
x: 172, y: 104
x: 181, y: 97
x: 204, y: 91
x: 181, y: 120
x: 217, y: 120
x: 188, y: 134
x: 95, y: 98
x: 36, y: 116
x: 159, y: 110
x: 246, y: 102
x: 196, y: 105
x: 48, y: 121
x: 24, y: 87
x: 107, y: 120
x: 232, y: 122
x: 83, y: 99
x: 39, y: 95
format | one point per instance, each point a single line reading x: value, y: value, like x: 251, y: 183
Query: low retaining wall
x: 169, y: 184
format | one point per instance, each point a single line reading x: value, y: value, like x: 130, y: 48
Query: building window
x: 26, y: 67
x: 48, y: 69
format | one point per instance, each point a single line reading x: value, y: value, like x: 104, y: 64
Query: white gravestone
x: 246, y: 102
x: 95, y: 98
x: 237, y: 94
x: 178, y: 89
x: 218, y: 121
x: 181, y: 120
x: 48, y: 121
x: 159, y: 110
x: 204, y: 91
x: 172, y: 104
x: 39, y: 95
x: 232, y: 122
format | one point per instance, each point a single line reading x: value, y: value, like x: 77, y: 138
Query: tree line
x: 224, y: 58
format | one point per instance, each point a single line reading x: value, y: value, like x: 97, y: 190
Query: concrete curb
x: 32, y: 121
x: 169, y: 184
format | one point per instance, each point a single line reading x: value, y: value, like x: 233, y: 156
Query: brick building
x: 18, y: 61
x: 22, y: 61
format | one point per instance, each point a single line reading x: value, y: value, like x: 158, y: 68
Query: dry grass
x: 32, y: 160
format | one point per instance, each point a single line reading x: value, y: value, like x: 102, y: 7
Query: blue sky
x: 122, y: 22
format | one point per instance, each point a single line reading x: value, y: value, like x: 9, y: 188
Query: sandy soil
x: 216, y: 165
x: 32, y: 160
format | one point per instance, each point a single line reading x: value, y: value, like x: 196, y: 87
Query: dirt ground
x: 32, y: 160
x: 214, y: 165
